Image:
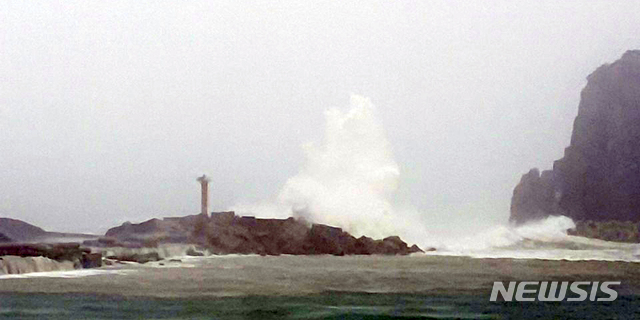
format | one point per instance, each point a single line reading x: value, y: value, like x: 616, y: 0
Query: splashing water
x: 542, y: 239
x: 347, y: 180
x: 551, y: 229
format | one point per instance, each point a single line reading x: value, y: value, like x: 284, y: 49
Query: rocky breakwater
x: 18, y: 258
x: 598, y: 179
x: 226, y: 233
x: 26, y: 248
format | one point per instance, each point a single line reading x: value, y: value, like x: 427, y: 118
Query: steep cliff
x: 599, y: 176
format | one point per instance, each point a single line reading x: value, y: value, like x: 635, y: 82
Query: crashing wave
x: 21, y: 265
x: 542, y: 239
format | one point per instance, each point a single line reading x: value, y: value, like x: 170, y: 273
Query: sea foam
x: 347, y: 180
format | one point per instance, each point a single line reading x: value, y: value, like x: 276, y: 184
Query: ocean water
x: 420, y: 286
x: 454, y: 282
x: 328, y: 305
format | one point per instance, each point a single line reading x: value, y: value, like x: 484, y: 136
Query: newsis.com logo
x: 555, y: 291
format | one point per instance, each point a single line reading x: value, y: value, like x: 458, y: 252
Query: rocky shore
x: 195, y: 235
x: 619, y: 231
x: 226, y: 233
x: 29, y: 257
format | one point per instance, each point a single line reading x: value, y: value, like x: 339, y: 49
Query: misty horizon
x: 110, y: 111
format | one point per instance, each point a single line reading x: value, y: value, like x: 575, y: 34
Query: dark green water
x: 329, y: 305
x: 314, y: 287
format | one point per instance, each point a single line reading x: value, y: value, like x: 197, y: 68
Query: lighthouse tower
x: 204, y: 183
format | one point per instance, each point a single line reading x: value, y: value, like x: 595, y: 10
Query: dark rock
x: 394, y: 245
x: 91, y: 260
x: 620, y: 231
x: 104, y: 242
x: 226, y: 233
x: 223, y: 217
x: 322, y: 239
x: 192, y: 252
x: 535, y: 197
x: 149, y: 226
x: 136, y: 257
x: 598, y: 178
x: 66, y: 251
x: 4, y: 238
x: 365, y: 245
x: 153, y: 232
x: 58, y: 251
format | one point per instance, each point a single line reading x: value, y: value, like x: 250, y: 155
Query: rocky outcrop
x: 619, y: 231
x: 225, y: 233
x: 598, y: 178
x: 73, y: 253
x: 196, y: 235
x: 535, y: 197
x: 151, y: 233
x: 139, y: 254
x: 62, y: 251
x: 136, y: 257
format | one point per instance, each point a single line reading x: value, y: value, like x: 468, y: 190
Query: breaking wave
x: 80, y: 273
x: 543, y: 239
x: 347, y: 179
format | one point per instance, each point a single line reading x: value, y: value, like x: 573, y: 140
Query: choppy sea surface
x: 454, y: 282
x: 422, y: 286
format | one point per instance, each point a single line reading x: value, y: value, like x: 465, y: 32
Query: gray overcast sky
x: 109, y: 110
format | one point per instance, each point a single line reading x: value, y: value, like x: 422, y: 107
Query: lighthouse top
x: 204, y: 178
